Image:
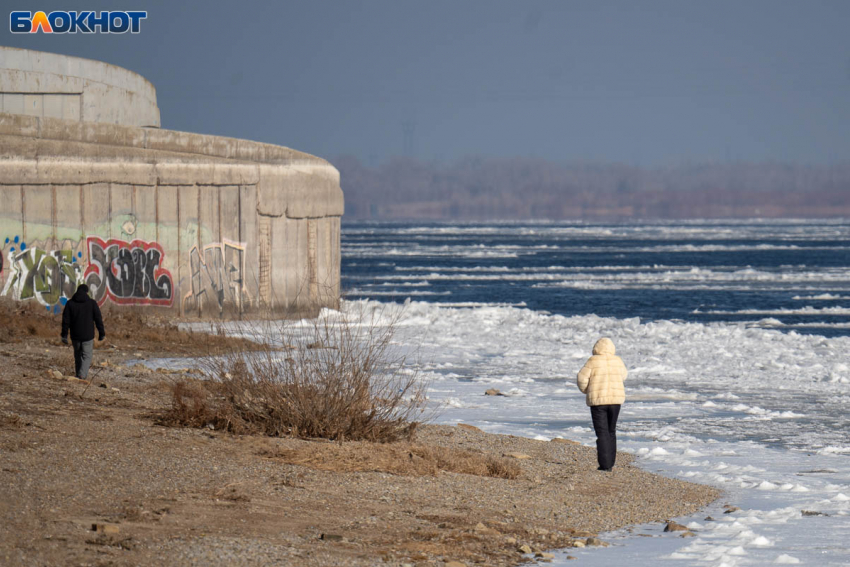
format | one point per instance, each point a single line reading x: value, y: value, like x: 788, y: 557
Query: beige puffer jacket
x: 603, y: 375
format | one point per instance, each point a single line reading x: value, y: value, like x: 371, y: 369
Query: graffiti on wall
x: 48, y: 276
x: 125, y: 273
x: 217, y: 276
x: 128, y: 273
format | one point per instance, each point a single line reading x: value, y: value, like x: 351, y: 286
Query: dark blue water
x: 791, y: 275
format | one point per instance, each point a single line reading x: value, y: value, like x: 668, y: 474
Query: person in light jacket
x: 601, y: 379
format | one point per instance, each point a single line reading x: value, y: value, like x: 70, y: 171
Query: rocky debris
x: 688, y: 533
x: 170, y: 370
x: 674, y: 527
x: 579, y: 543
x: 469, y: 427
x: 544, y: 555
x: 519, y: 456
x: 105, y: 528
x: 454, y: 564
x: 571, y: 558
x: 595, y: 542
x: 813, y: 513
x: 562, y: 440
x: 709, y: 519
x: 330, y: 537
x: 493, y: 392
x: 480, y: 528
x: 728, y: 509
x: 524, y: 549
x: 127, y: 543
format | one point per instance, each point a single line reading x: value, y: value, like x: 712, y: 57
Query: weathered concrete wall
x: 194, y: 224
x: 36, y: 83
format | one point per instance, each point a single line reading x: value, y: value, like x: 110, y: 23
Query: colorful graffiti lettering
x: 128, y: 273
x: 48, y: 276
x: 217, y: 276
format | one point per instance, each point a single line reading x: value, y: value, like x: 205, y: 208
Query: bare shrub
x: 339, y: 376
x: 190, y: 403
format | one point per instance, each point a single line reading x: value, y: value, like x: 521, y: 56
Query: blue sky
x: 651, y: 83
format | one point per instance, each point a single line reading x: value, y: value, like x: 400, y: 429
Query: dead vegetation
x: 125, y: 329
x: 336, y: 377
x: 404, y: 459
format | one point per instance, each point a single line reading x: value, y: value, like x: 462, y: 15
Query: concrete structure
x: 34, y: 83
x: 200, y: 225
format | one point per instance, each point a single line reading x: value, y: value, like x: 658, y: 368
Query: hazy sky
x: 643, y: 82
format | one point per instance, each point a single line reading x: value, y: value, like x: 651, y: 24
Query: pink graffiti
x: 128, y: 273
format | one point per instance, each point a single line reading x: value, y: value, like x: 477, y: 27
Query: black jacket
x: 81, y: 314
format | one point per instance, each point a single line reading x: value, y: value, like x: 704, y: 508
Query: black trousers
x: 605, y: 424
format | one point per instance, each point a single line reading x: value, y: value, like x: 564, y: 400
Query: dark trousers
x: 605, y: 424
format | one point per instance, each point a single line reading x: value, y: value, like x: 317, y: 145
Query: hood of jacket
x: 80, y: 296
x: 604, y: 346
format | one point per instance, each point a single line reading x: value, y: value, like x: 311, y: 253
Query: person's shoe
x: 604, y: 470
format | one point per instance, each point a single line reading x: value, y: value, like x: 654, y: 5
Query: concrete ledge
x: 37, y: 150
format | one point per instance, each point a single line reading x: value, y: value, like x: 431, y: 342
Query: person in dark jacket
x: 80, y: 316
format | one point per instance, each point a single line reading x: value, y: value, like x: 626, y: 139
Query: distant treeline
x: 525, y: 188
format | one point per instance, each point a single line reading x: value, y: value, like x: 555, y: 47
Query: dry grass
x: 24, y: 320
x: 125, y: 328
x: 404, y: 459
x: 191, y: 405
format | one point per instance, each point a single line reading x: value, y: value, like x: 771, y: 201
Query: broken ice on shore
x: 758, y: 413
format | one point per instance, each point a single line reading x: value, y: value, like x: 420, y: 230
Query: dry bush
x: 190, y: 403
x: 400, y: 458
x: 338, y: 377
x: 502, y: 468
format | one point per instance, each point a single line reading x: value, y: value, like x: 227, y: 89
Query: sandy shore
x: 175, y: 496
